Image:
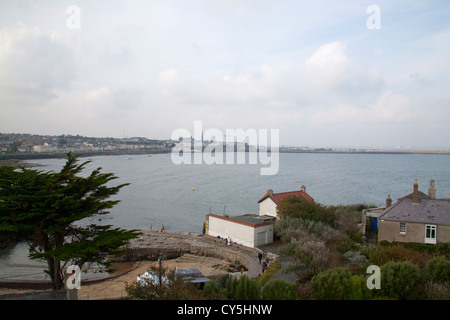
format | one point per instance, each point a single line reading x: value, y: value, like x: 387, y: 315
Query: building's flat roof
x: 250, y: 219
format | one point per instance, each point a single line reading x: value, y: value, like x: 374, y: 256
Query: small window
x: 402, y: 227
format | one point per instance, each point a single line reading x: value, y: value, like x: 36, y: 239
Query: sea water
x: 179, y: 196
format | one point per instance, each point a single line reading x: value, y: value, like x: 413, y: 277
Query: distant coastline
x: 20, y: 159
x: 373, y: 151
x: 15, y: 158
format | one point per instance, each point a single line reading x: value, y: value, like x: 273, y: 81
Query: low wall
x: 173, y: 245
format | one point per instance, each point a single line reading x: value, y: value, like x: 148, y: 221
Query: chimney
x: 270, y: 192
x: 303, y: 188
x: 415, y: 194
x: 388, y: 201
x: 432, y: 190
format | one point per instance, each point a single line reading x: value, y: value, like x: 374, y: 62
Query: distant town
x: 23, y: 145
x: 17, y: 144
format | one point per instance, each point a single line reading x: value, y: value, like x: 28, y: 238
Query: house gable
x: 269, y: 202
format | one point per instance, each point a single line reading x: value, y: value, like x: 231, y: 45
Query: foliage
x: 348, y: 220
x: 332, y: 284
x: 437, y: 291
x: 382, y: 254
x: 400, y: 280
x: 50, y: 211
x: 299, y: 207
x: 274, y: 266
x: 174, y: 288
x: 279, y: 290
x: 304, y: 291
x: 306, y: 243
x: 213, y: 290
x: 438, y: 269
x: 242, y: 288
x: 295, y: 228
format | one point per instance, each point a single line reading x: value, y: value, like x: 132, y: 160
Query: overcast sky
x: 325, y: 73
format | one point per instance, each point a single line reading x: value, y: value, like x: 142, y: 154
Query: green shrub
x: 400, y: 280
x: 332, y: 284
x: 242, y: 288
x: 299, y: 207
x: 279, y: 290
x: 438, y: 269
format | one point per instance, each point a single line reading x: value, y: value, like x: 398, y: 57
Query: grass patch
x: 274, y: 267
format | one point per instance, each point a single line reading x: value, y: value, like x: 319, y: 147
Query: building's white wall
x: 235, y: 231
x: 268, y: 235
x: 240, y: 233
x: 268, y: 207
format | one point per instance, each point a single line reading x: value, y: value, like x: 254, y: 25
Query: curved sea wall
x: 152, y: 244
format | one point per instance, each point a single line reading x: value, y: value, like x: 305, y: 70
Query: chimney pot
x: 432, y: 190
x: 270, y: 192
x: 303, y: 188
x: 415, y: 194
x: 388, y: 201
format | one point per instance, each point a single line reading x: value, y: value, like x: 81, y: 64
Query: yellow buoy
x: 193, y: 188
x: 295, y: 181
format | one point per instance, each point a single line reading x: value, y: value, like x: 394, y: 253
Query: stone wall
x: 151, y: 244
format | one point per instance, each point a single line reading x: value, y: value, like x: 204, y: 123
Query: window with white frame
x: 430, y: 233
x: 402, y: 227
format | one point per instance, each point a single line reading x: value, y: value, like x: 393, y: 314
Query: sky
x: 324, y: 73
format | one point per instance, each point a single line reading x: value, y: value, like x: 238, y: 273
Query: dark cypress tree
x: 48, y: 210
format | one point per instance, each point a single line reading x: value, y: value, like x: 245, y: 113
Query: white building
x: 269, y: 202
x: 250, y: 230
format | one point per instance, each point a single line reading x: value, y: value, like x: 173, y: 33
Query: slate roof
x: 426, y: 211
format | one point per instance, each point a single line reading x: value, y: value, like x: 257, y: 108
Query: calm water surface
x: 162, y: 192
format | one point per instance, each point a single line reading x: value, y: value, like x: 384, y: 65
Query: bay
x: 179, y: 196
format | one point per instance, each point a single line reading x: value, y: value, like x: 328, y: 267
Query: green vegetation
x: 49, y: 211
x: 330, y: 259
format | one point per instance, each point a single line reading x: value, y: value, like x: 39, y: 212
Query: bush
x: 333, y: 284
x: 437, y: 291
x: 397, y: 252
x: 212, y: 290
x: 299, y: 207
x: 310, y: 257
x: 242, y: 288
x: 279, y: 290
x: 295, y: 228
x: 438, y: 269
x: 400, y: 280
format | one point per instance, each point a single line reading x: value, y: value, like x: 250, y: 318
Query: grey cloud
x: 33, y: 66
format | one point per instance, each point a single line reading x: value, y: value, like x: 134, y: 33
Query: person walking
x: 260, y: 255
